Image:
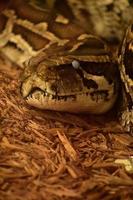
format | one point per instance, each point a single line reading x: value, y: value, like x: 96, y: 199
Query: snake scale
x: 69, y: 59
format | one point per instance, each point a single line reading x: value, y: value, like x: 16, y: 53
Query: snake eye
x: 76, y: 64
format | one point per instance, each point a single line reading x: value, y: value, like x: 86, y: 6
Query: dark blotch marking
x: 108, y: 70
x: 26, y: 11
x: 4, y: 4
x: 53, y: 87
x: 100, y: 94
x: 132, y: 27
x: 85, y: 13
x: 36, y: 41
x: 73, y: 97
x: 130, y: 1
x: 128, y: 61
x: 13, y: 45
x: 89, y: 83
x: 92, y: 46
x: 64, y: 9
x: 110, y: 7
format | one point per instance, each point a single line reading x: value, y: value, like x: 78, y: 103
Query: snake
x: 70, y: 63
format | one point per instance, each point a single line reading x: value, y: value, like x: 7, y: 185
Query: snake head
x: 80, y: 80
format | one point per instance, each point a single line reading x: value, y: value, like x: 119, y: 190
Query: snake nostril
x: 53, y: 87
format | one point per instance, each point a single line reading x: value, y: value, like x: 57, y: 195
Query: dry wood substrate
x: 54, y: 156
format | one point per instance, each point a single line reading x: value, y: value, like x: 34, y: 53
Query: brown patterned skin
x: 126, y: 72
x: 68, y: 69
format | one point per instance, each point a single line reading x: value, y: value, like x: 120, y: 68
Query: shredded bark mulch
x: 47, y: 155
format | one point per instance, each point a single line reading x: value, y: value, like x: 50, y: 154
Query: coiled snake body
x: 70, y: 69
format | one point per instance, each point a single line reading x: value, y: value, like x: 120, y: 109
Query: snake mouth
x: 82, y: 102
x: 45, y: 100
x: 38, y: 93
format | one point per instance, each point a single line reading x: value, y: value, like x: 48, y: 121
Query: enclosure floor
x: 53, y: 156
